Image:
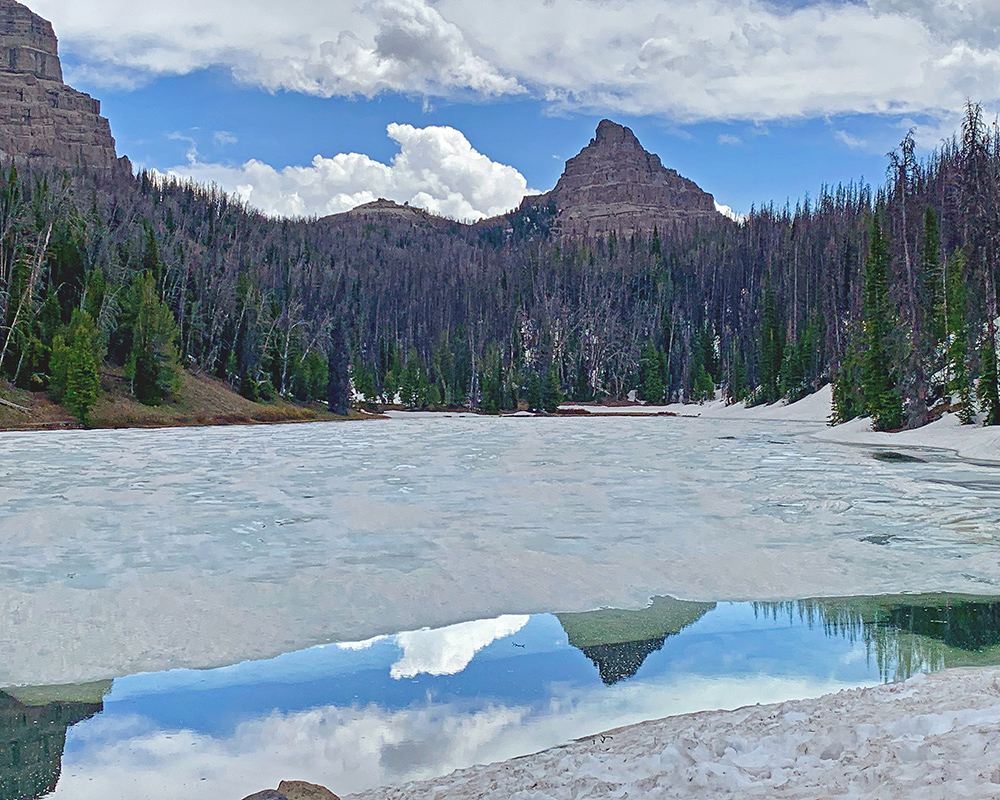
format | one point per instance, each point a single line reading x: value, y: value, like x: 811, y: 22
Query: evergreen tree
x: 364, y: 379
x: 702, y: 385
x: 534, y: 391
x: 491, y: 387
x: 83, y: 384
x: 933, y: 280
x: 551, y: 392
x: 736, y: 386
x: 309, y: 378
x: 878, y: 379
x: 76, y: 352
x: 959, y: 384
x: 582, y: 393
x: 989, y: 395
x: 651, y: 388
x: 772, y: 347
x: 338, y: 384
x: 150, y: 326
x: 848, y: 400
x: 414, y: 386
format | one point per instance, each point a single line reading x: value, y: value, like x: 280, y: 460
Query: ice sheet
x: 140, y: 550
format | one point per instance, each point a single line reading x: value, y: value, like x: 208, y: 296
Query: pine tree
x: 933, y: 280
x: 492, y: 391
x: 582, y: 392
x: 83, y: 384
x: 736, y: 386
x: 772, y: 347
x: 551, y: 392
x: 878, y: 380
x: 534, y: 392
x: 152, y: 362
x: 957, y: 353
x: 989, y: 395
x: 650, y: 375
x: 848, y: 400
x: 76, y: 352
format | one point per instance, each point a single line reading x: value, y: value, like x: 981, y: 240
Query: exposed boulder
x: 300, y: 790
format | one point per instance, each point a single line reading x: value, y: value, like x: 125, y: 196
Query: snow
x: 972, y: 442
x: 815, y: 407
x: 931, y: 737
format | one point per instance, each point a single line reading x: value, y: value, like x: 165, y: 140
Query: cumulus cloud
x: 436, y: 169
x: 727, y: 211
x: 688, y: 59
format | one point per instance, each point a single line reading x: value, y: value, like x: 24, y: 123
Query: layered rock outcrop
x: 42, y: 120
x: 614, y: 184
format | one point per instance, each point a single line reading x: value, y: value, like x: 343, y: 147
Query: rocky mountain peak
x: 29, y: 42
x: 614, y: 184
x: 42, y: 120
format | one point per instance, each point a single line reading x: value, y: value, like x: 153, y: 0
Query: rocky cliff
x: 614, y: 184
x: 42, y: 120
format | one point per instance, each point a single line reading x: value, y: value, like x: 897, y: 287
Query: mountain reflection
x: 618, y: 642
x: 33, y: 736
x: 908, y: 634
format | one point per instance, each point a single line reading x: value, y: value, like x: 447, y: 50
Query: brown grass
x: 201, y: 400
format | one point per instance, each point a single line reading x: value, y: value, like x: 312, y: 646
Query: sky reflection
x: 421, y: 704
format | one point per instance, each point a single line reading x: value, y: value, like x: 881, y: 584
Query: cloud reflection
x: 448, y: 651
x: 351, y: 749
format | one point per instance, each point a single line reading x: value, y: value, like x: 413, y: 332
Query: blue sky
x: 756, y: 101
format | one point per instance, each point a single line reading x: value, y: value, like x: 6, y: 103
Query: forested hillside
x: 889, y: 292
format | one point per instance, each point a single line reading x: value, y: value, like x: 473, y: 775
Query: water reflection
x: 618, y: 642
x: 907, y: 634
x: 421, y: 704
x: 33, y: 725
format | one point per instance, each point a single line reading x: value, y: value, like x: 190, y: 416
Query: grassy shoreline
x: 201, y: 401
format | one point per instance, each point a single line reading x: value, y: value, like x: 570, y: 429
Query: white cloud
x: 223, y: 138
x: 730, y: 139
x: 436, y: 169
x: 727, y: 211
x: 850, y: 141
x: 448, y: 651
x: 687, y: 60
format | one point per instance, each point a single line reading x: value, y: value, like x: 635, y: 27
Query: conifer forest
x: 889, y: 292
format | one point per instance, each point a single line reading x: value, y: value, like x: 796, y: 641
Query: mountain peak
x: 612, y: 134
x: 614, y: 184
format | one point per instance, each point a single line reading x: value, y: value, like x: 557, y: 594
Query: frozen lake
x: 133, y: 551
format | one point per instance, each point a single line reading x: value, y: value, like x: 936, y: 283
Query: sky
x: 311, y: 107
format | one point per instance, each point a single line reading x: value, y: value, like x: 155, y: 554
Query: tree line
x: 890, y: 293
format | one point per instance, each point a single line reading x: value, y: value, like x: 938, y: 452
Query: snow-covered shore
x: 972, y: 442
x: 928, y: 738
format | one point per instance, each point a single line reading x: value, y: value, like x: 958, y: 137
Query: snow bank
x: 813, y: 408
x: 924, y: 739
x: 972, y: 442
